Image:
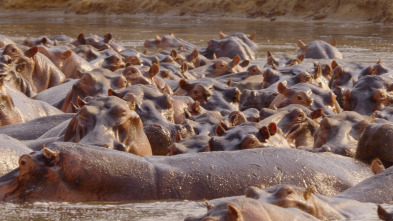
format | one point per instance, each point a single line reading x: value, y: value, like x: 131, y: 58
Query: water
x: 359, y: 42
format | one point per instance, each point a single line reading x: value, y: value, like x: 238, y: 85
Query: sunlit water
x: 359, y: 42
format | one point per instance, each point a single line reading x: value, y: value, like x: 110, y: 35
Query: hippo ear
x: 233, y: 213
x: 158, y: 39
x: 153, y: 71
x: 377, y: 166
x: 194, y: 54
x: 219, y: 131
x: 300, y: 58
x: 382, y: 213
x: 181, y: 47
x: 156, y: 60
x: 318, y: 71
x: 379, y: 61
x: 317, y: 114
x: 235, y: 61
x: 264, y: 132
x: 222, y: 35
x: 253, y: 192
x: 301, y: 45
x: 269, y: 54
x: 107, y: 37
x: 81, y: 39
x: 184, y: 68
x: 209, y: 205
x: 145, y: 52
x: 43, y: 41
x: 307, y: 193
x: 282, y: 89
x: 174, y: 54
x: 31, y: 52
x: 66, y: 54
x: 112, y: 92
x: 334, y: 64
x: 183, y: 84
x: 244, y: 63
x: 334, y: 42
x: 131, y: 100
x: 50, y: 155
x: 272, y: 128
x: 274, y: 66
x: 252, y: 36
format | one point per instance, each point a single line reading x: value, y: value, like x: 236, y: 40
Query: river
x: 359, y: 42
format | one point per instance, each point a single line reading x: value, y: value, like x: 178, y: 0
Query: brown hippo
x: 248, y: 209
x: 376, y: 142
x: 376, y: 189
x: 320, y: 50
x: 11, y: 150
x: 340, y: 133
x: 369, y: 94
x: 168, y: 41
x: 76, y: 172
x: 109, y: 122
x: 95, y: 82
x: 322, y: 207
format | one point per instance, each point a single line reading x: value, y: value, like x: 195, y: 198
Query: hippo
x: 11, y: 150
x: 211, y: 94
x: 64, y: 171
x: 9, y: 74
x: 369, y: 94
x: 42, y: 40
x: 374, y: 143
x: 249, y: 209
x: 340, y: 133
x: 91, y: 83
x: 320, y: 50
x: 168, y: 41
x: 229, y: 47
x: 317, y: 205
x: 100, y: 43
x: 375, y: 189
x: 109, y: 122
x: 282, y: 60
x: 108, y: 59
x: 383, y: 214
x: 35, y: 67
x: 307, y: 95
x: 248, y: 39
x: 66, y: 60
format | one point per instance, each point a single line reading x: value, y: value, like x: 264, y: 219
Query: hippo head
x: 197, y: 92
x: 71, y: 172
x: 8, y: 113
x: 109, y: 122
x: 113, y: 62
x: 289, y: 196
x: 340, y: 133
x: 9, y: 72
x: 166, y: 41
x: 92, y: 83
x: 292, y: 97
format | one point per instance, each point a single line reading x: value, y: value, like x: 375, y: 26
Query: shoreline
x: 50, y: 12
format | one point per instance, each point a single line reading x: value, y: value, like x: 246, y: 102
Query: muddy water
x: 359, y: 42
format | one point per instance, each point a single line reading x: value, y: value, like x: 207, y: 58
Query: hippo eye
x: 300, y: 115
x: 13, y: 50
x: 133, y: 71
x: 299, y: 98
x: 9, y: 61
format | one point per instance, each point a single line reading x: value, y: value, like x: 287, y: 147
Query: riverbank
x: 344, y: 10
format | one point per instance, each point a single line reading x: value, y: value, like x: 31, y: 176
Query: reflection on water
x: 359, y: 42
x: 144, y: 211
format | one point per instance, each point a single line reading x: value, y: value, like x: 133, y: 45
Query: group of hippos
x: 86, y: 119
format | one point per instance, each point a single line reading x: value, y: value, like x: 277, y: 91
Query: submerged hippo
x: 76, y: 172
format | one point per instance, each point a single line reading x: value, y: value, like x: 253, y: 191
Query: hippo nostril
x: 23, y: 162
